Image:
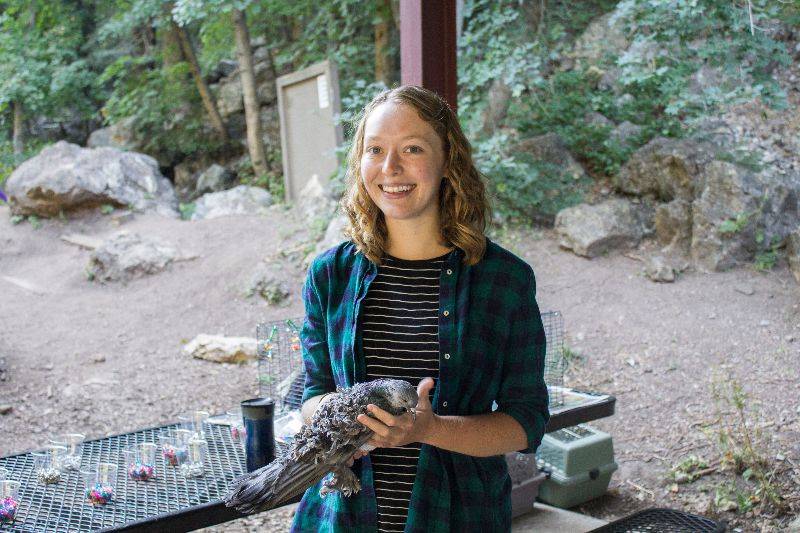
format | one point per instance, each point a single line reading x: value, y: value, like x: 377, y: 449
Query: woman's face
x: 402, y: 163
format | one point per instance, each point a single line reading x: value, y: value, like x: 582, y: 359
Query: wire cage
x: 281, y: 375
x: 554, y: 360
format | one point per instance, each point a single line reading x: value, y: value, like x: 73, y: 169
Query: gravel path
x: 79, y: 356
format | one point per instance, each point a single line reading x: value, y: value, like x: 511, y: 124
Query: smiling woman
x: 419, y: 293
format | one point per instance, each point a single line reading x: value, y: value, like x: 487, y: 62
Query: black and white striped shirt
x: 401, y: 340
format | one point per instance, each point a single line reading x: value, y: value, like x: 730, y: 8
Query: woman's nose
x: 391, y: 165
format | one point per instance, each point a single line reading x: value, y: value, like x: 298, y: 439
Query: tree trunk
x: 18, y: 135
x: 384, y: 58
x: 208, y: 101
x: 245, y: 56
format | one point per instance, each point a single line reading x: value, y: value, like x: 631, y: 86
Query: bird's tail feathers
x: 272, y: 485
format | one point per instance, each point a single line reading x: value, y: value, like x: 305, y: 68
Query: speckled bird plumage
x: 323, y: 446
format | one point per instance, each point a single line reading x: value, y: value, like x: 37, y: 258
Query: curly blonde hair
x: 463, y: 205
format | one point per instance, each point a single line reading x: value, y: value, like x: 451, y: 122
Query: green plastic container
x: 580, y: 461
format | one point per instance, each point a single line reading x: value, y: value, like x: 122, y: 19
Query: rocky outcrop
x: 125, y: 256
x: 65, y: 177
x: 592, y: 230
x: 551, y: 148
x: 241, y: 200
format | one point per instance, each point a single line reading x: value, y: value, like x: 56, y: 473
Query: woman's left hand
x: 392, y: 431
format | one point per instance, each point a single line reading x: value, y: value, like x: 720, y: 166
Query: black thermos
x: 258, y: 415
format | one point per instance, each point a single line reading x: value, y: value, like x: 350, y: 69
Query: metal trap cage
x: 281, y: 375
x: 554, y: 360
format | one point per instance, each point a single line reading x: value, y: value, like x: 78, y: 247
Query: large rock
x: 591, y: 230
x: 604, y: 36
x: 213, y: 179
x: 221, y: 349
x: 125, y: 256
x: 241, y: 200
x: 673, y: 224
x: 726, y: 216
x: 118, y: 135
x: 665, y: 169
x: 230, y: 96
x: 550, y: 148
x: 66, y: 177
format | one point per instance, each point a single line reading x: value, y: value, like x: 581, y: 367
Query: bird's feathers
x: 323, y: 446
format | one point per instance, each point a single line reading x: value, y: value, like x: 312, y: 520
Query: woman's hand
x: 393, y: 431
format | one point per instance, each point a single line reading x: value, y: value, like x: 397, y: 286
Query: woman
x: 419, y: 293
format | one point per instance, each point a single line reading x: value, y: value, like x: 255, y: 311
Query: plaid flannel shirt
x: 492, y: 349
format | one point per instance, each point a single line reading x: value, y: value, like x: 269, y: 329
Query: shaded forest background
x: 153, y: 68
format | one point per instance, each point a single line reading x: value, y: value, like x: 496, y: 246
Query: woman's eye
x: 415, y: 149
x: 373, y: 150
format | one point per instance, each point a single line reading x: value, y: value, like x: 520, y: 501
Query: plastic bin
x: 579, y: 461
x: 525, y: 482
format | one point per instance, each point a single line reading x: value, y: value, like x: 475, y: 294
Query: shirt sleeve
x: 523, y: 393
x: 313, y: 339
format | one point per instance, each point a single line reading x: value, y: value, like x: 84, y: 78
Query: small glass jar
x: 196, y: 458
x: 99, y: 484
x: 46, y: 465
x: 73, y: 443
x: 140, y: 461
x: 9, y: 500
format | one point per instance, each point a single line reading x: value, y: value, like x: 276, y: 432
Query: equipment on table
x: 579, y: 461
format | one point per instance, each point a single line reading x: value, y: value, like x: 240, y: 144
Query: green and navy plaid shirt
x: 492, y: 349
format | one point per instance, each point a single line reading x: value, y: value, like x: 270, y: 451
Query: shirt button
x: 447, y: 356
x: 446, y: 313
x: 444, y: 404
x: 449, y: 271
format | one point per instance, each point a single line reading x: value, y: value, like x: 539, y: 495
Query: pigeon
x: 324, y: 446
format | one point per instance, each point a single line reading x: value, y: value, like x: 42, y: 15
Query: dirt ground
x: 79, y: 356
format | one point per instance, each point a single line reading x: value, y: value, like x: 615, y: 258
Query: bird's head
x: 393, y: 395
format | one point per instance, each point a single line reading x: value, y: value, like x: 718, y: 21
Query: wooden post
x: 428, y: 46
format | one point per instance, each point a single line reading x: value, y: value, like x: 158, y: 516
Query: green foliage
x: 187, y: 210
x: 8, y: 161
x: 165, y: 106
x: 673, y: 39
x: 520, y: 186
x: 741, y: 445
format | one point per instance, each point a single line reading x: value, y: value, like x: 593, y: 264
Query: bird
x: 323, y: 446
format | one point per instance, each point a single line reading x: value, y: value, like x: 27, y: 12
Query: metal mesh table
x: 662, y: 521
x: 168, y: 499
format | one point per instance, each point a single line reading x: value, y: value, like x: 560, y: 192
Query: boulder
x: 659, y: 269
x: 734, y: 210
x: 334, y: 234
x: 625, y: 133
x: 665, y: 169
x: 213, y: 179
x: 241, y: 200
x: 591, y: 230
x: 219, y: 349
x: 551, y: 148
x: 185, y: 176
x: 673, y: 223
x: 125, y: 256
x: 793, y: 253
x: 604, y: 36
x: 118, y: 135
x: 230, y: 97
x: 65, y: 177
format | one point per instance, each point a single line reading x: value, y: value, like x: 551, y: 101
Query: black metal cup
x: 259, y: 416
